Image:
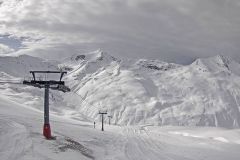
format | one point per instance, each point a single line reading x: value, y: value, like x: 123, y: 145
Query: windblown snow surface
x: 160, y: 110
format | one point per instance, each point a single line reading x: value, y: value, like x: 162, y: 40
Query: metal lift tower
x: 47, y: 84
x: 102, y: 113
x: 109, y: 119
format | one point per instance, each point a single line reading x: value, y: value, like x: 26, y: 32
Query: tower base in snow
x: 47, y: 131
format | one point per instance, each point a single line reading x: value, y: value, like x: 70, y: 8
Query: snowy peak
x: 224, y: 60
x: 217, y: 64
x: 213, y: 63
x: 86, y: 60
x: 80, y: 67
x: 156, y: 65
x: 100, y: 55
x: 94, y: 56
x: 220, y: 61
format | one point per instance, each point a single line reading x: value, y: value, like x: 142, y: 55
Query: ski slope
x: 21, y: 139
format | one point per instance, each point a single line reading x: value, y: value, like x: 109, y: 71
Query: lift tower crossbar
x: 47, y: 84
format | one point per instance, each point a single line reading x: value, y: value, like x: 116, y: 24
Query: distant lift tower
x: 102, y: 113
x: 47, y: 84
x: 109, y: 119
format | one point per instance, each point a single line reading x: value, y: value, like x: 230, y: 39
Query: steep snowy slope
x: 204, y: 93
x: 20, y: 66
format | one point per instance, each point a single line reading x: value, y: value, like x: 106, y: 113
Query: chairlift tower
x: 109, y: 119
x: 47, y: 84
x: 102, y: 114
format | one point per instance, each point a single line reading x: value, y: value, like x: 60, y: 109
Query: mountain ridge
x: 204, y: 93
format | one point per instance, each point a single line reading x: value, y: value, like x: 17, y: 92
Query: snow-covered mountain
x: 21, y: 65
x: 204, y: 93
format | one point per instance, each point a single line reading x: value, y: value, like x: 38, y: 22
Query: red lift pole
x: 46, y: 125
x: 47, y: 84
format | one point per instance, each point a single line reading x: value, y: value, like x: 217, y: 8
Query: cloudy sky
x: 172, y: 30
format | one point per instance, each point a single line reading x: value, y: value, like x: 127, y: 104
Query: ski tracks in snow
x: 140, y: 146
x: 15, y: 140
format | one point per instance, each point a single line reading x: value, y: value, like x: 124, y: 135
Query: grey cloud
x: 4, y: 49
x: 173, y: 30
